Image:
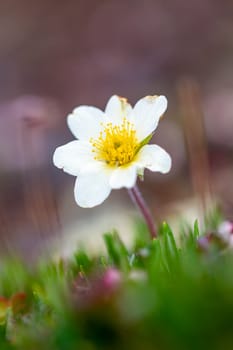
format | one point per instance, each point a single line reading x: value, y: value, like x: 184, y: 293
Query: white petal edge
x: 117, y: 108
x: 154, y: 158
x: 147, y: 113
x: 73, y: 157
x: 91, y: 189
x: 124, y: 176
x: 85, y: 122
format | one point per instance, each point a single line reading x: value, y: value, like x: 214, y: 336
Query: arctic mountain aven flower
x: 112, y: 147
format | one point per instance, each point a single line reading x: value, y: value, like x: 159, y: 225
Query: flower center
x: 117, y: 144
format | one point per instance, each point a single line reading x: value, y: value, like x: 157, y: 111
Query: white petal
x: 117, y: 108
x: 154, y: 158
x: 91, y: 189
x: 123, y: 177
x: 146, y: 114
x: 85, y: 122
x: 73, y: 156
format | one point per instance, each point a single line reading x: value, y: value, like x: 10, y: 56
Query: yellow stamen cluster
x: 116, y: 145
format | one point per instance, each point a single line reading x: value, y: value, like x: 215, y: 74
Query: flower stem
x: 139, y: 201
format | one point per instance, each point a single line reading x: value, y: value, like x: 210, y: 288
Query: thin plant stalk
x: 139, y: 201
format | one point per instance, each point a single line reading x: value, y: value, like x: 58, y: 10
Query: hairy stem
x: 139, y: 201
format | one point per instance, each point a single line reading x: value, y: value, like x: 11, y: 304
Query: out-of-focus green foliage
x: 156, y: 295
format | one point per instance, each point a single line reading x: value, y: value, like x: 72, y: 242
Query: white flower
x: 112, y: 148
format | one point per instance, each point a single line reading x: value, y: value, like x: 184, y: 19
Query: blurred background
x: 55, y: 55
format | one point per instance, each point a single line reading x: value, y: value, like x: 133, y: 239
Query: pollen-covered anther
x: 117, y: 145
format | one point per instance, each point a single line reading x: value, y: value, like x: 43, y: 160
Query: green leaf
x: 144, y: 142
x: 196, y: 232
x: 117, y: 250
x: 168, y: 245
